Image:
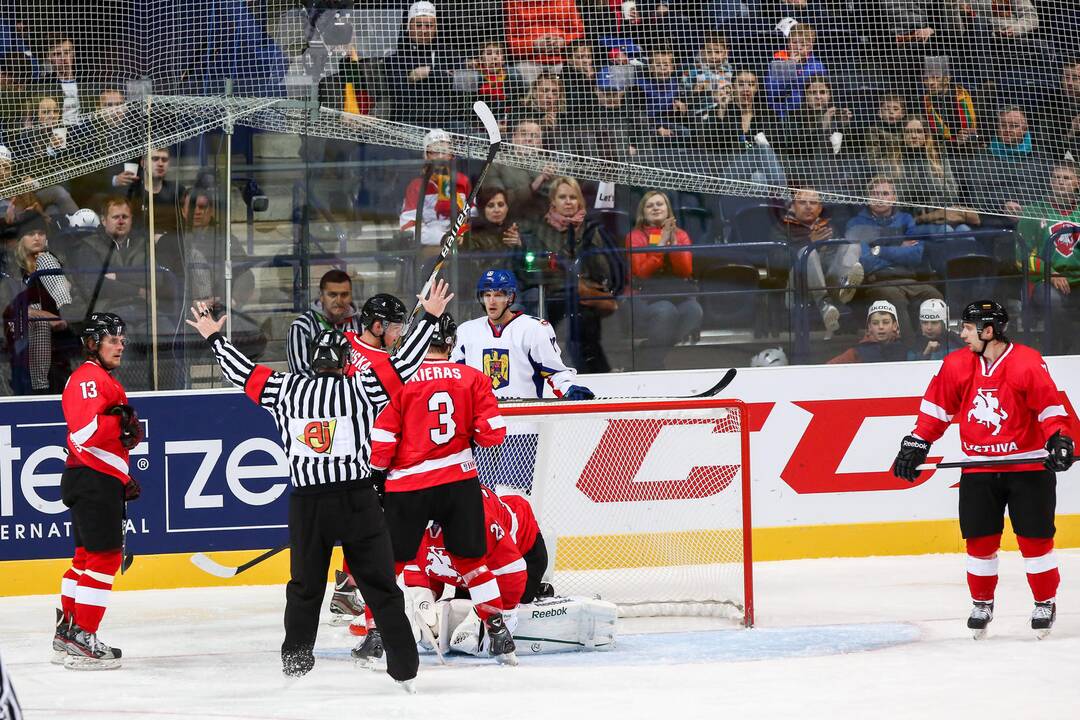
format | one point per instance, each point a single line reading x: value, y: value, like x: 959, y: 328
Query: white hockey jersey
x: 519, y: 357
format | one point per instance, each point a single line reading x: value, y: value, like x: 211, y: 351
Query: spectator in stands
x: 547, y: 103
x: 711, y: 73
x: 744, y: 123
x: 55, y: 200
x: 39, y: 364
x: 816, y: 143
x: 166, y: 195
x: 526, y: 191
x: 538, y: 31
x: 833, y: 265
x: 44, y: 137
x: 667, y: 117
x: 579, y: 81
x: 1059, y: 212
x: 63, y: 79
x: 791, y: 70
x: 881, y: 343
x: 1008, y: 173
x: 16, y: 71
x: 885, y: 135
x: 620, y: 129
x: 1059, y: 115
x: 434, y: 206
x: 418, y: 73
x: 949, y: 107
x: 104, y: 129
x: 886, y: 264
x: 500, y: 87
x: 493, y: 239
x: 917, y: 29
x: 993, y: 30
x: 661, y: 321
x: 203, y: 248
x: 333, y: 309
x: 562, y: 236
x: 937, y: 340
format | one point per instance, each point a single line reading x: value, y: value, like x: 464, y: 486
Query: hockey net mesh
x: 960, y: 104
x: 639, y: 506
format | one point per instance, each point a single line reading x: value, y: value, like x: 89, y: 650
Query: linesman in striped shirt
x: 325, y: 424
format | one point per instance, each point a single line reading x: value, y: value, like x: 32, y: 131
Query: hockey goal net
x: 645, y: 503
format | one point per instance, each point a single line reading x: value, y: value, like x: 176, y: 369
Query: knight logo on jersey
x: 439, y: 565
x: 986, y: 410
x: 497, y: 367
x: 1065, y: 244
x: 319, y: 435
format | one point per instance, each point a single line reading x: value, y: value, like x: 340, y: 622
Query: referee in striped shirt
x: 325, y: 424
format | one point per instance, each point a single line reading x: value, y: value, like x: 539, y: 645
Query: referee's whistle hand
x: 438, y: 298
x: 204, y: 320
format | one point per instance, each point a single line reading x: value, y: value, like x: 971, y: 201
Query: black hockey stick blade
x: 491, y: 126
x: 208, y: 565
x: 125, y: 565
x: 983, y: 463
x: 718, y: 387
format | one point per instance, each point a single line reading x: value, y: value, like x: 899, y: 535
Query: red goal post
x: 642, y: 502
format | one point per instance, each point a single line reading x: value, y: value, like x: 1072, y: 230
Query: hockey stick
x: 204, y: 563
x: 983, y: 463
x: 495, y: 141
x: 711, y: 392
x: 127, y: 558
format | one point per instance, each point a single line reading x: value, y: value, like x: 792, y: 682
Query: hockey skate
x: 60, y: 638
x: 345, y: 604
x: 981, y: 615
x: 500, y: 641
x: 409, y: 686
x: 87, y: 652
x: 369, y: 652
x: 1042, y: 618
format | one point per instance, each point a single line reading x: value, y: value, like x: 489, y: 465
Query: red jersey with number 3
x: 93, y: 437
x: 424, y: 436
x: 1007, y: 409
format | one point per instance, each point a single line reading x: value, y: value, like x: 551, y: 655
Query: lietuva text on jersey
x: 325, y: 422
x: 1006, y: 409
x: 518, y: 357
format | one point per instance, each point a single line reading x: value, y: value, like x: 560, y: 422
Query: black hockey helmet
x: 329, y: 351
x: 987, y: 313
x: 100, y: 324
x: 444, y: 331
x: 382, y: 307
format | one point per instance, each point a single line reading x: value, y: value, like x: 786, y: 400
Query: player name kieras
x: 436, y: 372
x: 1002, y: 447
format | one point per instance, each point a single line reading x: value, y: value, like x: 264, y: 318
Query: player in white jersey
x: 517, y: 351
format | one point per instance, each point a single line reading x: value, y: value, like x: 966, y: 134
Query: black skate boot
x: 345, y: 604
x: 60, y: 638
x: 297, y: 663
x: 500, y: 641
x: 981, y: 615
x: 1042, y: 618
x: 370, y: 650
x: 87, y: 652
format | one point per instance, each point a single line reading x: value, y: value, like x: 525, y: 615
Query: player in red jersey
x: 102, y: 429
x: 1008, y: 408
x: 516, y: 515
x: 423, y: 440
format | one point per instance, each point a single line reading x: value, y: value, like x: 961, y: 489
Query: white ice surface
x: 213, y: 653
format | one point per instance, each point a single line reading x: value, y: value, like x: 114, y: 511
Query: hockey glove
x: 378, y: 481
x: 130, y: 427
x: 132, y: 490
x: 1059, y: 449
x: 912, y: 454
x: 578, y: 392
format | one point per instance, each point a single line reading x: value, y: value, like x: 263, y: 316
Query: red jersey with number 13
x: 1007, y: 409
x: 93, y: 437
x: 424, y: 436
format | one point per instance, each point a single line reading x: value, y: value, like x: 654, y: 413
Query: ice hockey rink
x: 837, y: 638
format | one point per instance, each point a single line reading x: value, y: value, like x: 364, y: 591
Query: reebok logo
x: 554, y: 612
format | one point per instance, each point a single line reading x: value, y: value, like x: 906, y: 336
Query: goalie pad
x: 550, y: 625
x: 420, y: 609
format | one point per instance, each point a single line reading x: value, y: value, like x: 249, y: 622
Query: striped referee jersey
x: 304, y: 329
x: 9, y: 704
x: 325, y: 422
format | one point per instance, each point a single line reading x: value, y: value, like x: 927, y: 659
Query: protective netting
x: 961, y: 104
x: 640, y: 506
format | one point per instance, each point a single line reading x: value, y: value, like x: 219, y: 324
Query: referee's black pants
x: 353, y: 517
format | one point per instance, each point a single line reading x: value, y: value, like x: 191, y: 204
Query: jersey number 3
x: 443, y: 404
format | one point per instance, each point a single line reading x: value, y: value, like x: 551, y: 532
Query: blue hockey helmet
x: 496, y: 280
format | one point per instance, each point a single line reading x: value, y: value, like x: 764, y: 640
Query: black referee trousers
x: 353, y: 517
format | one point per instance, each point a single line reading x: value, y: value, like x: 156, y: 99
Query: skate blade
x: 78, y: 662
x: 980, y: 634
x: 372, y: 664
x: 59, y: 657
x: 507, y: 659
x: 341, y: 619
x: 409, y: 686
x: 1042, y: 633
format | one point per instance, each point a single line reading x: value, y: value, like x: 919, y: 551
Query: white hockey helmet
x: 84, y: 219
x: 769, y: 357
x: 882, y: 306
x: 934, y: 310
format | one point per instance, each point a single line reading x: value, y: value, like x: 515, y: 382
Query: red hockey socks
x: 982, y: 566
x: 1041, y: 565
x: 70, y: 581
x: 94, y: 587
x: 482, y: 585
